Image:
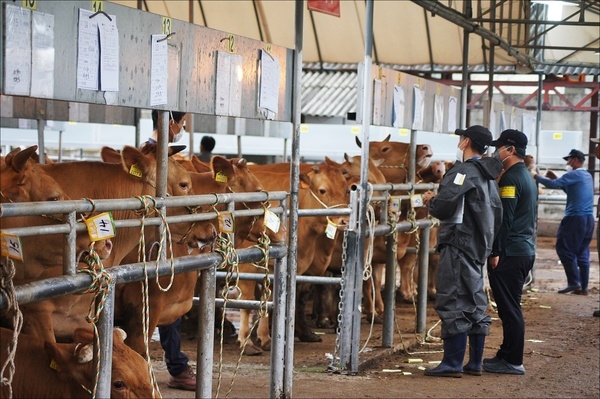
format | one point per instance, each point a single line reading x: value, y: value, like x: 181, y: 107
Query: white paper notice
x: 503, y: 126
x: 398, y: 119
x: 42, y: 55
x: 109, y: 54
x: 269, y: 83
x: 88, y: 51
x: 529, y: 125
x: 17, y: 64
x: 377, y: 106
x: 418, y: 108
x: 223, y: 83
x: 452, y: 107
x: 235, y: 85
x: 159, y: 70
x: 438, y: 113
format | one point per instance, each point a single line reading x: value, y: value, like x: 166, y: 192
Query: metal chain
x: 7, y: 273
x: 335, y: 359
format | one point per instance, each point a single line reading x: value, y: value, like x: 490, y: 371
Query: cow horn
x: 388, y: 137
x: 358, y: 143
x: 121, y: 333
x: 86, y: 354
x: 348, y: 159
x: 241, y: 163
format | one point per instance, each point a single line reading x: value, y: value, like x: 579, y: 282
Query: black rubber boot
x: 454, y: 354
x: 476, y: 344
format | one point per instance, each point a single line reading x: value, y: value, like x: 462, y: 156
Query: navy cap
x: 479, y: 134
x: 511, y: 137
x: 575, y: 154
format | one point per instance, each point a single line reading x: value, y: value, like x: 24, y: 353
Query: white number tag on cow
x: 226, y: 223
x: 101, y: 226
x: 272, y: 221
x: 11, y: 246
x: 330, y: 230
x: 395, y: 204
x: 416, y: 200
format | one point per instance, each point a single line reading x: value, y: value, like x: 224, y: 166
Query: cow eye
x: 118, y: 384
x: 184, y: 186
x: 55, y: 198
x: 322, y: 191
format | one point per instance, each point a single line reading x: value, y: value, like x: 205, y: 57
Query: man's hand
x: 493, y: 261
x: 551, y: 175
x: 427, y: 196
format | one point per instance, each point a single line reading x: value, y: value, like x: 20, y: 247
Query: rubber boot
x: 454, y: 354
x: 476, y: 344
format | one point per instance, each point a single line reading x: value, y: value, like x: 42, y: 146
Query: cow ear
x: 304, y: 180
x: 176, y: 149
x: 331, y: 162
x: 60, y: 357
x: 110, y: 155
x: 131, y: 156
x: 222, y: 166
x: 200, y: 166
x: 18, y: 159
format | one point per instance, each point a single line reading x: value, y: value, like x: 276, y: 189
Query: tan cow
x: 44, y: 369
x: 324, y: 186
x: 109, y: 181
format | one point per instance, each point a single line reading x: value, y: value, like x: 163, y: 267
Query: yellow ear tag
x: 135, y: 170
x: 10, y: 245
x: 54, y: 365
x: 221, y: 177
x: 100, y: 227
x: 226, y: 222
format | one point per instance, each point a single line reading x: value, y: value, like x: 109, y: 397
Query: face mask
x: 459, y: 154
x: 177, y: 137
x: 497, y: 155
x: 569, y: 168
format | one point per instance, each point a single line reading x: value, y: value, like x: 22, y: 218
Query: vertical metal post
x: 367, y: 100
x: 468, y: 12
x: 294, y: 183
x: 593, y: 134
x: 349, y: 276
x: 206, y: 333
x: 279, y: 321
x: 538, y: 117
x: 41, y: 147
x: 422, y: 286
x: 69, y: 253
x: 389, y: 291
x: 105, y: 334
x: 60, y: 136
x: 137, y: 116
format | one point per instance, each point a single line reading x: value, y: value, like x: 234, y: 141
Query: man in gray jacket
x: 469, y: 208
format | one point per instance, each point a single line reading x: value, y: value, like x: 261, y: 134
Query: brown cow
x: 323, y: 186
x: 44, y: 369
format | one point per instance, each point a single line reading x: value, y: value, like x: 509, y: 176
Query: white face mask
x: 459, y: 154
x: 177, y: 137
x: 569, y: 168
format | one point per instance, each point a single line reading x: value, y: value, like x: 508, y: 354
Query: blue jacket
x: 579, y: 186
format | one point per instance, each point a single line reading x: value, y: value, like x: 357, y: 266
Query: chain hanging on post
x: 335, y: 365
x: 7, y: 288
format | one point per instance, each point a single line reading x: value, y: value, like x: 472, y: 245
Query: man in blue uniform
x: 577, y: 227
x: 470, y: 211
x: 513, y: 253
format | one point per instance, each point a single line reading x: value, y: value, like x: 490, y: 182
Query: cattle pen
x: 104, y: 61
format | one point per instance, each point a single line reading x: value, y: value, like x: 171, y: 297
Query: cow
x: 45, y: 369
x: 323, y: 186
x: 110, y: 181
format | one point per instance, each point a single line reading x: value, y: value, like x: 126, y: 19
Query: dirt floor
x: 562, y: 354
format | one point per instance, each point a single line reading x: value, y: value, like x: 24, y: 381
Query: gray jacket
x: 469, y: 207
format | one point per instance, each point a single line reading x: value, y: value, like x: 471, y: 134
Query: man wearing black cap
x: 469, y: 208
x: 513, y: 253
x: 577, y: 227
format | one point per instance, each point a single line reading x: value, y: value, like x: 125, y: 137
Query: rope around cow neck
x: 7, y: 273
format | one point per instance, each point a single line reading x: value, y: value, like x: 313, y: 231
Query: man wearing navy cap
x: 577, y: 227
x: 513, y: 252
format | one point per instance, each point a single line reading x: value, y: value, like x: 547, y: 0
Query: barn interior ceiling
x: 558, y: 37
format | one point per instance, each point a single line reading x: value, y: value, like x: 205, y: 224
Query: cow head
x: 129, y: 378
x: 24, y: 181
x: 326, y: 187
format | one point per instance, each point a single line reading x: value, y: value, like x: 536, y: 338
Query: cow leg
x: 263, y: 333
x: 303, y: 331
x: 433, y: 264
x: 378, y: 270
x: 247, y: 290
x: 321, y: 305
x: 406, y: 264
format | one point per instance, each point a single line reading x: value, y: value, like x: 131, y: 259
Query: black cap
x: 511, y: 137
x: 575, y: 154
x: 477, y: 133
